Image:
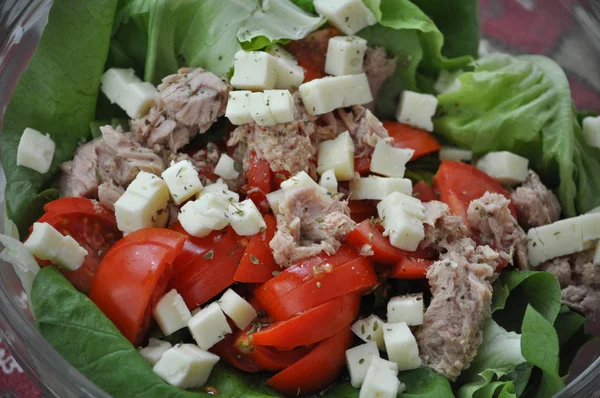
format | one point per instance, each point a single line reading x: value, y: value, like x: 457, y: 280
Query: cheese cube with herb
x: 35, y: 151
x: 254, y: 70
x: 301, y: 180
x: 185, y: 366
x: 455, y: 154
x: 235, y: 307
x: 273, y: 198
x: 209, y: 326
x: 401, y: 346
x: 381, y: 380
x: 417, y: 110
x: 349, y: 16
x: 390, y: 161
x: 345, y: 55
x: 227, y: 168
x: 402, y: 218
x: 337, y: 155
x: 281, y: 105
x: 506, y: 167
x: 71, y: 255
x: 591, y: 131
x: 208, y: 213
x: 328, y: 181
x: 407, y: 309
x: 260, y: 111
x: 114, y: 82
x: 289, y: 73
x: 357, y: 90
x: 137, y: 99
x: 154, y: 350
x: 182, y: 180
x: 370, y: 329
x: 378, y: 188
x: 245, y: 218
x: 45, y: 242
x: 358, y: 360
x: 238, y: 107
x: 171, y: 313
x: 323, y: 95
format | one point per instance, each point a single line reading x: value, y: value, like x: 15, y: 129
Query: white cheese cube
x: 254, y: 70
x: 591, y: 131
x: 235, y: 307
x: 402, y: 217
x: 417, y: 110
x: 115, y: 80
x: 289, y: 73
x: 23, y: 262
x: 370, y: 329
x: 281, y: 105
x: 301, y: 180
x: 208, y: 213
x: 154, y: 350
x: 182, y: 180
x: 381, y: 380
x: 349, y: 16
x: 274, y: 198
x: 259, y: 110
x: 71, y: 255
x: 35, y: 150
x: 45, y: 242
x: 137, y: 99
x: 401, y: 346
x: 357, y: 90
x: 408, y: 204
x: 554, y: 240
x: 193, y: 222
x: 390, y: 161
x: 447, y: 82
x: 221, y: 188
x: 377, y: 188
x: 594, y: 210
x: 238, y: 107
x: 171, y: 313
x: 149, y: 186
x: 245, y: 218
x: 209, y: 326
x: 590, y: 226
x: 323, y: 95
x: 337, y: 155
x: 358, y: 360
x: 596, y: 259
x: 227, y: 168
x: 345, y: 55
x: 328, y: 181
x: 407, y: 309
x: 506, y: 167
x: 185, y: 366
x: 456, y: 154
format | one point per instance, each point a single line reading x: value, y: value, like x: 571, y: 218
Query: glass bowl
x: 566, y: 30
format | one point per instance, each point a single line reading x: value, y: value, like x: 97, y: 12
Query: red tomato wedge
x: 229, y: 353
x: 406, y: 136
x: 277, y: 177
x: 92, y: 225
x: 317, y: 370
x: 297, y: 274
x: 361, y: 210
x: 259, y: 181
x: 206, y: 266
x: 311, y: 326
x: 362, y: 165
x: 459, y: 183
x: 367, y: 233
x: 267, y: 358
x: 410, y: 268
x: 311, y: 51
x: 424, y: 192
x: 133, y: 276
x: 257, y: 264
x: 355, y: 276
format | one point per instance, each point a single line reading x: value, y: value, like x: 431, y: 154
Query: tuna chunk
x: 536, y: 205
x: 109, y: 193
x: 442, y: 229
x: 378, y: 68
x: 309, y: 223
x: 581, y: 298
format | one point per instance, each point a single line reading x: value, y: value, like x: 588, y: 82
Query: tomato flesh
x: 410, y: 268
x: 424, y: 192
x: 405, y: 136
x: 361, y: 210
x: 311, y: 52
x: 258, y: 265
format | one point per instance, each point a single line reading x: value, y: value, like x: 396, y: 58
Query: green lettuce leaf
x: 523, y: 105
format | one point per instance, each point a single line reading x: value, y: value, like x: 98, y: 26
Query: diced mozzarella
x: 301, y: 180
x: 238, y: 107
x: 259, y: 110
x: 44, y: 242
x: 281, y: 105
x: 71, y: 255
x: 154, y: 350
x: 448, y: 82
x: 358, y: 360
x: 35, y: 150
x: 590, y: 227
x: 143, y: 204
x: 289, y: 73
x: 274, y: 198
x: 235, y: 307
x: 328, y: 181
x: 417, y: 110
x: 245, y: 218
x: 402, y: 217
x: 226, y: 167
x: 217, y: 186
x: 407, y: 309
x: 254, y: 70
x: 370, y: 329
x: 23, y: 262
x: 137, y: 99
x: 506, y: 167
x: 377, y: 188
x: 182, y: 180
x: 185, y: 366
x: 208, y: 213
x: 594, y: 210
x: 456, y: 154
x: 171, y: 313
x: 114, y: 82
x: 337, y: 155
x: 209, y: 326
x: 401, y: 346
x: 591, y: 131
x: 345, y: 55
x: 349, y: 16
x: 357, y: 91
x: 381, y: 380
x: 390, y: 161
x: 332, y: 92
x: 596, y: 259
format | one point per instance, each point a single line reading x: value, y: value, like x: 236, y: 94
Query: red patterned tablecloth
x: 536, y: 26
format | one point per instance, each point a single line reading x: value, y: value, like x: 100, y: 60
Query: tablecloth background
x: 536, y: 26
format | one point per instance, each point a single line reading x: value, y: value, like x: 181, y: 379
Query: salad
x: 300, y: 198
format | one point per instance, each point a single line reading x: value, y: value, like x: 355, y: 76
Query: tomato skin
x: 268, y: 359
x: 133, y: 277
x: 424, y: 192
x: 459, y: 183
x: 410, y: 268
x: 361, y: 210
x: 257, y: 264
x: 229, y: 353
x: 312, y: 326
x: 317, y: 370
x: 259, y: 173
x: 311, y: 52
x: 277, y: 177
x: 405, y: 136
x: 362, y: 165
